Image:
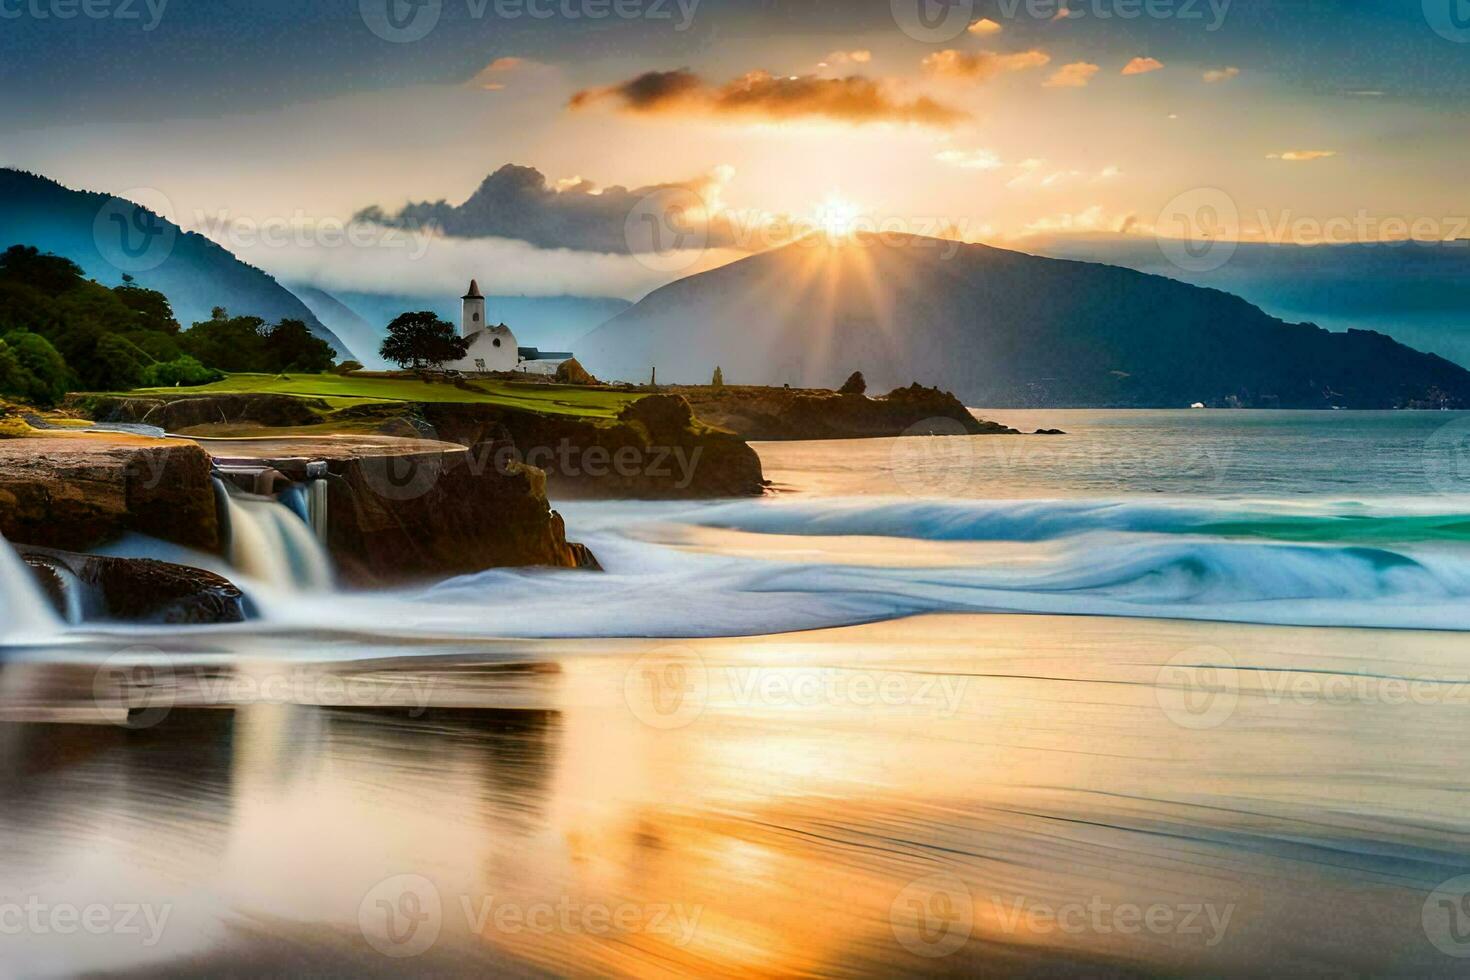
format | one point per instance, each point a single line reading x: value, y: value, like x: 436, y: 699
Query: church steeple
x: 472, y: 319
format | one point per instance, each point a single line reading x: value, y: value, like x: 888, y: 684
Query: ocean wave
x: 1041, y: 520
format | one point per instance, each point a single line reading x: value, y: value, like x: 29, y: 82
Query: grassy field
x: 342, y: 392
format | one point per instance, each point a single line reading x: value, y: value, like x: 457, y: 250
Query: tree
x: 290, y: 347
x: 856, y: 384
x: 571, y: 372
x: 184, y: 371
x: 347, y: 367
x: 417, y: 339
x: 118, y: 364
x: 45, y: 375
x: 718, y: 381
x: 226, y: 342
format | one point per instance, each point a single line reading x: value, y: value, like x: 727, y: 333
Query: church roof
x: 474, y: 292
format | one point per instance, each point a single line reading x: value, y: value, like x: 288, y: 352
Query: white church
x: 494, y: 348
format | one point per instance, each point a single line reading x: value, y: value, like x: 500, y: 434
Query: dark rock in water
x: 584, y: 557
x: 187, y: 411
x: 1048, y: 432
x: 135, y: 590
x: 783, y: 413
x: 80, y: 491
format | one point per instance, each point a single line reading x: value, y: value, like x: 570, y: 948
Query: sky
x: 984, y: 120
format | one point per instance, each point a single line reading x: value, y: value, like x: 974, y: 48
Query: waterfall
x: 271, y: 542
x: 25, y: 611
x: 308, y: 501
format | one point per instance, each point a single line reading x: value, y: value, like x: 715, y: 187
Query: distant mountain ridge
x: 196, y: 274
x: 1002, y: 328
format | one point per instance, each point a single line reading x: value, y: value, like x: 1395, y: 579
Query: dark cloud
x: 516, y: 202
x: 763, y: 96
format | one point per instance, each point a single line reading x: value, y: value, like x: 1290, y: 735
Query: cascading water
x: 270, y: 541
x: 308, y: 501
x: 25, y: 612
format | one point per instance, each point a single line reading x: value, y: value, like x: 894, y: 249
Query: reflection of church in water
x: 494, y: 348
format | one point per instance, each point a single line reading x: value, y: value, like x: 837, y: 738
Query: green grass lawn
x: 342, y: 392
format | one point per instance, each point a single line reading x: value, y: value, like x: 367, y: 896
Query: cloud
x: 970, y: 159
x: 985, y: 26
x: 1142, y: 66
x: 1087, y: 221
x: 860, y: 57
x: 516, y: 203
x: 494, y: 76
x: 1221, y: 74
x: 1034, y: 173
x: 1302, y: 156
x: 775, y: 98
x: 1075, y: 75
x: 981, y: 66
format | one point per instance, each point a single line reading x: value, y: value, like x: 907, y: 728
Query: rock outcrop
x: 76, y: 492
x: 135, y: 590
x: 186, y: 411
x: 786, y: 413
x: 404, y: 510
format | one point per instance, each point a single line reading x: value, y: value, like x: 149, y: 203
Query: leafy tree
x: 290, y: 347
x: 45, y: 373
x: 417, y: 339
x: 52, y: 275
x: 718, y: 381
x: 228, y: 343
x: 152, y: 308
x: 185, y: 371
x: 119, y: 363
x: 347, y: 367
x: 855, y: 384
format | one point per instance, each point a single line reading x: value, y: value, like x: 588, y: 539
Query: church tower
x: 472, y: 319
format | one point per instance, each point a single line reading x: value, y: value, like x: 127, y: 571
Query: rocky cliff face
x: 78, y: 492
x: 429, y: 510
x: 785, y: 413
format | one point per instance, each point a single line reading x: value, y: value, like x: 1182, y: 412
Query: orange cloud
x: 980, y: 66
x: 1075, y: 75
x: 1302, y: 156
x: 984, y: 26
x: 1221, y: 74
x: 859, y: 57
x: 492, y: 77
x: 776, y: 98
x: 1142, y: 66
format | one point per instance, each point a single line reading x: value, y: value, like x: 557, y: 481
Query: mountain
x: 1416, y: 292
x: 108, y: 237
x: 1001, y: 328
x: 360, y: 335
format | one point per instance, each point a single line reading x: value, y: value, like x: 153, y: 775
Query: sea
x: 1173, y: 693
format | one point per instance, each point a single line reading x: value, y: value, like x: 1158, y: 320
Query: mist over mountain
x: 1416, y: 292
x: 1002, y: 328
x: 109, y: 237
